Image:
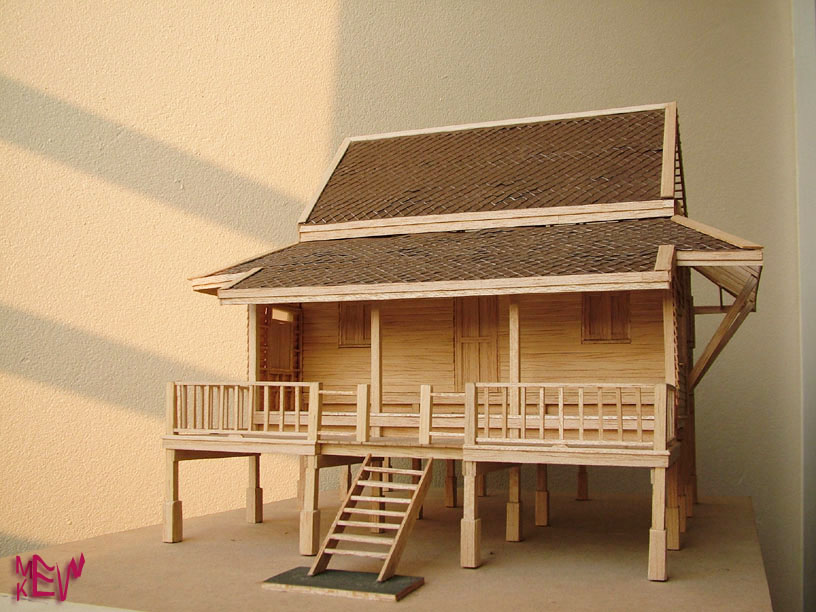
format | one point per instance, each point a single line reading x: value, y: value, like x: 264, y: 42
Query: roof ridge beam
x: 523, y: 217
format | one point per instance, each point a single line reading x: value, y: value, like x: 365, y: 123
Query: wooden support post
x: 471, y: 525
x: 513, y: 530
x: 450, y: 483
x: 376, y: 364
x: 514, y: 359
x: 363, y: 413
x: 672, y: 509
x: 252, y: 343
x: 172, y: 505
x: 254, y: 492
x: 301, y: 481
x: 416, y: 464
x: 582, y: 493
x: 310, y: 514
x: 481, y: 485
x: 345, y: 481
x: 542, y: 498
x: 657, y: 534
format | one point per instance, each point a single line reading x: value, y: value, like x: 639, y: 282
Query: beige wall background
x: 143, y: 142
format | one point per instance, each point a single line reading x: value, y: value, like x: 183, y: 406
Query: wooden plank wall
x: 418, y: 344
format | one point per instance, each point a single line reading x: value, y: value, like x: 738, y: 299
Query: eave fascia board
x: 633, y: 281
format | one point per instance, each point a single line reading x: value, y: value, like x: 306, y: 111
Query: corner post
x: 657, y: 534
x: 471, y: 525
x: 254, y: 492
x: 672, y: 508
x: 376, y: 363
x: 514, y: 335
x: 542, y: 498
x: 172, y: 531
x: 310, y: 514
x: 315, y: 411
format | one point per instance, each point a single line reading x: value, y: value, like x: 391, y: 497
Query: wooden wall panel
x: 418, y: 344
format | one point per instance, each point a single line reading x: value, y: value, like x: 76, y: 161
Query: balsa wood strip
x: 560, y: 413
x: 741, y: 243
x: 665, y: 258
x: 557, y: 215
x: 669, y: 151
x: 544, y: 284
x: 520, y: 121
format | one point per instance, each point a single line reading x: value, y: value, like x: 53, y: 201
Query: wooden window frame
x: 342, y: 321
x: 626, y: 337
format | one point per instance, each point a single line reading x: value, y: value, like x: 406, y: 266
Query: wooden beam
x: 665, y: 258
x: 741, y: 243
x: 718, y: 258
x: 624, y: 281
x: 728, y: 326
x: 376, y: 361
x: 669, y: 151
x: 555, y: 215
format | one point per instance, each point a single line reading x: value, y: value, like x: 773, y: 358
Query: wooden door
x: 476, y: 339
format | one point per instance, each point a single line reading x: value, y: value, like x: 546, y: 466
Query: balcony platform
x: 591, y: 557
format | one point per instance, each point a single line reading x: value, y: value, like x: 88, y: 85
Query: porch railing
x: 545, y: 414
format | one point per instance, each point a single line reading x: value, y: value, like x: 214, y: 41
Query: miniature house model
x: 488, y: 295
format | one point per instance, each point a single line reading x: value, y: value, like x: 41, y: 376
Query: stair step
x: 369, y: 524
x: 381, y: 484
x: 373, y: 512
x: 356, y: 553
x: 383, y: 499
x: 367, y: 539
x: 394, y: 471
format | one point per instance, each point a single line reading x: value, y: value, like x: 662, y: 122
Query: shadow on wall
x: 13, y: 545
x: 64, y: 132
x: 70, y: 359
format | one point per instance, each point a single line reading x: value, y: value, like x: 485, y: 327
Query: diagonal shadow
x: 80, y: 362
x: 59, y: 130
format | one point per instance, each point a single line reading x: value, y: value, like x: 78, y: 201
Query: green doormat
x: 341, y: 583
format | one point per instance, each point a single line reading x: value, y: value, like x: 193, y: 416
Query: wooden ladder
x: 403, y: 515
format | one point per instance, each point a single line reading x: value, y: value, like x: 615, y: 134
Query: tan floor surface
x: 592, y: 557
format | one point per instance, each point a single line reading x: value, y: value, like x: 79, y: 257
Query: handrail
x: 542, y: 413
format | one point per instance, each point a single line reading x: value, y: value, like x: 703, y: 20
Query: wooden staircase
x: 394, y: 523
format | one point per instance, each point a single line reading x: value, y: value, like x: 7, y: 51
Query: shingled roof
x: 583, y: 202
x: 529, y: 164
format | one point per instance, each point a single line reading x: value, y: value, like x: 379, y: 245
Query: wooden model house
x: 498, y: 294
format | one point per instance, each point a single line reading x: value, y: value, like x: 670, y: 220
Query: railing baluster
x: 580, y: 413
x: 504, y: 412
x: 235, y: 409
x: 639, y: 408
x: 221, y: 407
x: 178, y: 406
x: 523, y: 412
x: 560, y: 413
x: 266, y: 407
x: 298, y: 391
x: 541, y: 412
x: 486, y: 410
x: 600, y: 414
x: 207, y: 394
x: 620, y: 412
x: 282, y: 405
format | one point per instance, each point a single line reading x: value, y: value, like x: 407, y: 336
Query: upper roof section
x: 578, y: 160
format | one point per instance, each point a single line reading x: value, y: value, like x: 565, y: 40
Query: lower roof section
x: 555, y: 258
